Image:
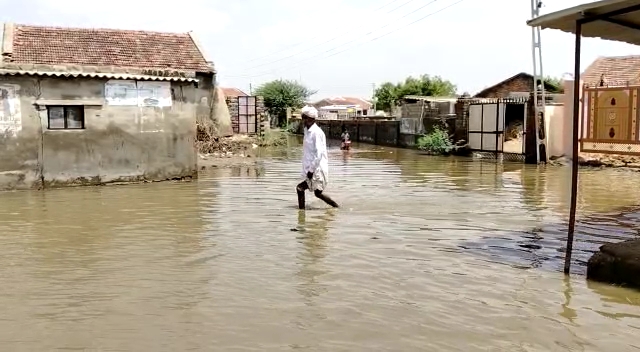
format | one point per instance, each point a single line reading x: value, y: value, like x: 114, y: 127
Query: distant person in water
x: 346, y: 141
x: 315, y: 162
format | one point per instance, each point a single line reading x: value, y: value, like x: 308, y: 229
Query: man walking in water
x: 315, y: 163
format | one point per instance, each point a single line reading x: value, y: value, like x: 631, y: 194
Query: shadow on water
x: 543, y: 246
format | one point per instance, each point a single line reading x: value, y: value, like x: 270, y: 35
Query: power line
x: 385, y: 26
x: 397, y: 29
x: 337, y: 37
x: 307, y: 40
x: 352, y: 47
x: 342, y: 45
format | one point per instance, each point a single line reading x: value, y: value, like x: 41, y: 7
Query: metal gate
x: 487, y: 120
x: 247, y: 115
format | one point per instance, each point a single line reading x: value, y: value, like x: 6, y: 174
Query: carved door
x: 612, y: 120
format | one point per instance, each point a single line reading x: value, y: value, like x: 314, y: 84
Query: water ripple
x: 425, y: 254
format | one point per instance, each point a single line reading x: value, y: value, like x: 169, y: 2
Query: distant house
x: 233, y: 92
x: 520, y: 83
x: 344, y: 108
x: 93, y: 106
x: 613, y: 70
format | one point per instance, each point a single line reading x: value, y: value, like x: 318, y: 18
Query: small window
x: 65, y: 117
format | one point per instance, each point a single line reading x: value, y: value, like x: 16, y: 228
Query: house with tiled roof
x: 613, y: 70
x: 519, y: 83
x: 344, y: 107
x: 95, y: 106
x: 230, y: 92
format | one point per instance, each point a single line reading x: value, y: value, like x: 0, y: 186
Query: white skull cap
x: 310, y: 111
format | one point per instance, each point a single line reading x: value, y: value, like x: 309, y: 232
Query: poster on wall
x: 10, y: 116
x: 156, y: 94
x: 121, y: 92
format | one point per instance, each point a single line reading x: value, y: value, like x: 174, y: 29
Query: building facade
x: 341, y: 108
x: 98, y: 106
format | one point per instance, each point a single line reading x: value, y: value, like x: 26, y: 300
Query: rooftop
x: 362, y: 103
x: 613, y: 69
x: 617, y: 20
x: 55, y: 46
x: 233, y: 92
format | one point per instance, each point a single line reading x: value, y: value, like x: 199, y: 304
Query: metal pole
x: 574, y: 159
x: 535, y: 43
x: 375, y: 101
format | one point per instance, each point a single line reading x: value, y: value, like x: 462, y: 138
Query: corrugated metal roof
x: 565, y: 20
x: 338, y: 107
x: 95, y: 75
x: 429, y: 98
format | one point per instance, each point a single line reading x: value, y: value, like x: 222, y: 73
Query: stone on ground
x: 616, y: 263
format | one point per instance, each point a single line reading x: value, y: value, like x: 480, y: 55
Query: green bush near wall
x: 436, y: 142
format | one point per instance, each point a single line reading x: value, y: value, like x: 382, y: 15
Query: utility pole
x: 373, y: 96
x: 539, y: 99
x: 250, y: 89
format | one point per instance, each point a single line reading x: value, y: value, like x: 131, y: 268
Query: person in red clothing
x: 346, y: 141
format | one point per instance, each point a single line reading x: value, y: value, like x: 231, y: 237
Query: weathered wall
x: 373, y: 132
x: 118, y: 144
x: 212, y: 107
x: 554, y: 127
x: 420, y: 108
x: 387, y: 133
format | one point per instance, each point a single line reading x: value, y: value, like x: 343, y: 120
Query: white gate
x: 486, y: 127
x: 498, y: 126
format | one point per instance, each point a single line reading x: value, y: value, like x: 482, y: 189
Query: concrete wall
x: 567, y: 126
x: 385, y: 133
x: 555, y: 125
x: 212, y: 107
x: 118, y: 144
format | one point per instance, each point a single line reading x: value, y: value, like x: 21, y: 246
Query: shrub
x: 292, y: 128
x: 436, y: 142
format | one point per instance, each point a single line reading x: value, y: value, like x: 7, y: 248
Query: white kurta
x: 315, y: 158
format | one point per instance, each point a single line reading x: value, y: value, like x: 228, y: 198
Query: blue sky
x: 329, y: 45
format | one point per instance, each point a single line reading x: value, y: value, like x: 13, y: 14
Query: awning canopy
x: 617, y: 20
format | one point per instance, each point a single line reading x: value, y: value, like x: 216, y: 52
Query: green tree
x: 282, y: 94
x: 389, y: 94
x: 553, y: 85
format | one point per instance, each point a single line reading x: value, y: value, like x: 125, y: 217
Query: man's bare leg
x: 324, y: 198
x: 300, y: 190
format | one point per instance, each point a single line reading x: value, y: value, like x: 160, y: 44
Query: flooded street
x: 426, y: 254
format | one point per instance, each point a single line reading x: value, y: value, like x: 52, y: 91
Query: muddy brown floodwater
x: 426, y: 254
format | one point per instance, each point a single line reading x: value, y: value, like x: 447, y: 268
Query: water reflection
x: 312, y: 234
x: 567, y: 312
